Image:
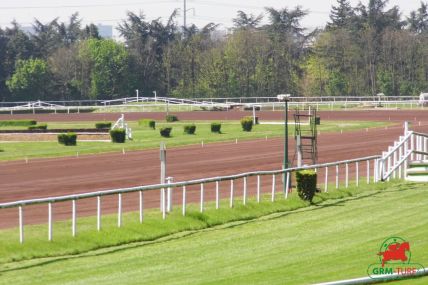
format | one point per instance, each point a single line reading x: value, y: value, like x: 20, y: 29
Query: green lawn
x: 145, y: 138
x: 335, y: 239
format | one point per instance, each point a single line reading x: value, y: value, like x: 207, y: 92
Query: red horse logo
x: 395, y: 251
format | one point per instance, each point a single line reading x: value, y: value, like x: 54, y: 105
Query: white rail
x: 141, y: 189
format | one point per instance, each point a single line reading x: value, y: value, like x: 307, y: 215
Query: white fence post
x: 119, y: 210
x: 98, y: 213
x: 244, y: 198
x: 169, y: 195
x: 21, y: 225
x: 231, y: 193
x: 346, y: 175
x: 141, y: 206
x: 73, y: 218
x: 326, y: 180
x: 202, y: 197
x: 368, y: 172
x: 184, y: 200
x: 50, y: 221
x: 337, y: 176
x: 163, y: 206
x: 357, y: 177
x: 217, y: 195
x: 412, y: 146
x: 258, y: 188
x: 273, y: 187
x: 287, y: 185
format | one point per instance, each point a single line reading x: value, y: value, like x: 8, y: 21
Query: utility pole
x: 184, y: 13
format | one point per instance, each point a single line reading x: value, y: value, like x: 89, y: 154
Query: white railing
x: 121, y: 123
x: 226, y: 102
x: 411, y: 146
x: 166, y: 200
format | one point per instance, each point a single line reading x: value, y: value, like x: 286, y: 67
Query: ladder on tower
x: 306, y: 136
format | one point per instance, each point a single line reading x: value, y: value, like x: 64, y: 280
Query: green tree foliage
x: 363, y: 50
x: 30, y: 80
x: 106, y: 63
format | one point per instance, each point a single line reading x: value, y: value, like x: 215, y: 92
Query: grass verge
x: 36, y: 244
x: 286, y: 242
x: 146, y: 138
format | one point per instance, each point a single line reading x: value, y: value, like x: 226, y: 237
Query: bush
x: 103, y: 125
x: 165, y: 132
x: 189, y: 129
x: 171, y: 118
x: 247, y: 124
x: 118, y: 135
x: 215, y: 127
x: 306, y: 184
x: 38, y: 127
x: 67, y: 139
x: 147, y: 123
x: 18, y: 123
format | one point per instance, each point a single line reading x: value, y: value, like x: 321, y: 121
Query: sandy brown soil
x: 53, y: 177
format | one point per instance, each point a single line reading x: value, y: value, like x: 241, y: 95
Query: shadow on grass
x: 324, y: 203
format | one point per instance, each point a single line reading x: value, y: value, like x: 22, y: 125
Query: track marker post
x: 162, y: 174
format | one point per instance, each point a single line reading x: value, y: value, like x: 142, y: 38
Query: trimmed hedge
x: 247, y: 124
x: 165, y: 132
x: 306, y: 184
x: 118, y: 135
x: 190, y: 129
x: 68, y: 139
x: 103, y: 125
x: 215, y: 127
x: 38, y: 127
x: 147, y: 123
x: 171, y: 118
x: 18, y: 123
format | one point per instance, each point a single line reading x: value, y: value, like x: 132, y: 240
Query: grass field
x: 334, y: 239
x: 145, y: 138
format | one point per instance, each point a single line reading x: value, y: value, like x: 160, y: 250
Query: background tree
x: 30, y: 80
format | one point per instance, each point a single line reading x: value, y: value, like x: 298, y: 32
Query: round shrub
x: 147, y: 123
x: 215, y: 127
x: 103, y: 125
x: 171, y: 118
x: 38, y: 127
x: 306, y: 184
x: 247, y: 124
x: 190, y: 129
x: 68, y: 139
x: 165, y: 132
x: 118, y: 135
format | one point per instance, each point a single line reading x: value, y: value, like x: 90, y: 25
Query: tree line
x: 361, y: 51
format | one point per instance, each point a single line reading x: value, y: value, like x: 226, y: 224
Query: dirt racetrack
x: 53, y: 177
x: 363, y: 115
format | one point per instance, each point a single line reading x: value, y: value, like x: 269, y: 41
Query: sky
x: 200, y: 12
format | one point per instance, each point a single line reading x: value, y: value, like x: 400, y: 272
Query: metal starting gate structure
x: 377, y: 168
x: 305, y: 135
